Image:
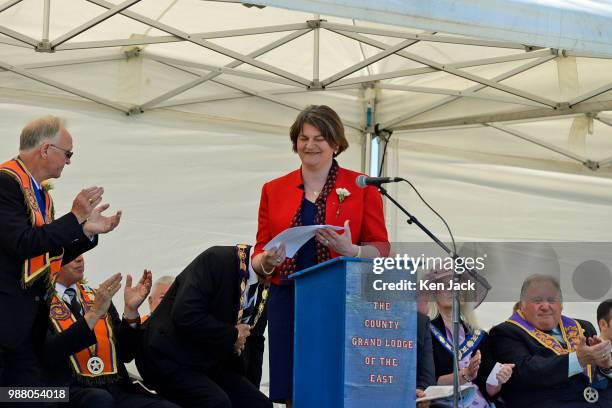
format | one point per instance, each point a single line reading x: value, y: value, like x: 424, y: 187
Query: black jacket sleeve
x: 128, y: 337
x: 22, y: 240
x: 534, y: 369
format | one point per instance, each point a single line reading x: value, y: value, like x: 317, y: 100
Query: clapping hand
x: 101, y: 224
x: 603, y: 358
x: 85, y: 202
x: 472, y: 369
x: 133, y: 296
x: 103, y: 298
x: 597, y: 352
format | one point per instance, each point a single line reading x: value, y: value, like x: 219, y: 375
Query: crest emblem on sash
x: 59, y: 312
x: 95, y: 365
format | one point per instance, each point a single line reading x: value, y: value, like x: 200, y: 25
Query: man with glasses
x: 33, y: 243
x: 557, y: 359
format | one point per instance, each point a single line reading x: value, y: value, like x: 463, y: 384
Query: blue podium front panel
x: 319, y: 336
x: 380, y: 340
x: 354, y: 346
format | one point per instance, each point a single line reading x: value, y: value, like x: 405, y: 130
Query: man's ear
x: 603, y: 325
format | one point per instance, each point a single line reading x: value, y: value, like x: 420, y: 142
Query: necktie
x: 251, y: 301
x: 74, y: 305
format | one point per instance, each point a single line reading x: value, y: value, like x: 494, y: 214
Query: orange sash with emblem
x: 40, y: 265
x: 96, y: 364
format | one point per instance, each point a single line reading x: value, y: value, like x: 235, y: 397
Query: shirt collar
x: 60, y: 289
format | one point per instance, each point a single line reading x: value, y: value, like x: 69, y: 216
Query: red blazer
x: 281, y: 197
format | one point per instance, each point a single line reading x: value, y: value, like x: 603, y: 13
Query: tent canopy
x: 525, y: 83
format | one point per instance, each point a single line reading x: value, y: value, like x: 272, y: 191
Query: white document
x: 437, y: 392
x: 295, y: 237
x: 492, y: 378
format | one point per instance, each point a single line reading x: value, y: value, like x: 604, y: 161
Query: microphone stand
x: 456, y: 277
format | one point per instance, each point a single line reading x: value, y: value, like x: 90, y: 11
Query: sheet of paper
x: 492, y: 378
x: 436, y: 392
x: 295, y: 237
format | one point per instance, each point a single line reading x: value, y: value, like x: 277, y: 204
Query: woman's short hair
x: 327, y: 121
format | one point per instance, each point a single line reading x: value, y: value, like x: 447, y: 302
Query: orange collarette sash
x: 40, y: 265
x: 96, y: 364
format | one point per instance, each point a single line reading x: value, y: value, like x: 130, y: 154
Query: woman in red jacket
x: 319, y: 192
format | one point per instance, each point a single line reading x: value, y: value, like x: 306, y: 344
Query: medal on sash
x: 590, y: 393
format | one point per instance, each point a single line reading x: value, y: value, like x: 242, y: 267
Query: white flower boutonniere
x: 342, y: 194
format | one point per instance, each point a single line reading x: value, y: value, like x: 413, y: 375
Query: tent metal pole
x: 543, y: 113
x: 93, y: 22
x: 315, y: 53
x: 466, y: 75
x: 13, y: 43
x: 170, y: 94
x: 441, y: 91
x: 402, y: 118
x: 551, y: 147
x: 18, y: 36
x: 64, y: 87
x: 368, y: 61
x: 217, y: 69
x: 78, y: 61
x: 604, y: 120
x: 207, y: 44
x: 274, y: 99
x: 421, y: 37
x: 9, y: 4
x: 161, y: 39
x: 236, y: 95
x: 461, y: 64
x: 590, y: 95
x: 605, y: 163
x: 46, y: 17
x: 426, y: 70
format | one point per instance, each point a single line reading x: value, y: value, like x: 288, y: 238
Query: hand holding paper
x: 294, y: 238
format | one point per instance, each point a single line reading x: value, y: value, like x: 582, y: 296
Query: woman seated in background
x: 475, y: 358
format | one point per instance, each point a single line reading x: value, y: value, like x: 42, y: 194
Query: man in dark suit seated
x: 557, y: 358
x: 33, y: 242
x: 604, y: 320
x: 203, y: 345
x: 88, y: 343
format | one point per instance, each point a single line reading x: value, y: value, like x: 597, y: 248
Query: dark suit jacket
x: 540, y: 376
x: 57, y: 369
x: 194, y: 326
x: 443, y: 360
x: 425, y: 361
x: 24, y: 310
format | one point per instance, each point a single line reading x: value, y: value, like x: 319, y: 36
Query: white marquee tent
x: 501, y: 111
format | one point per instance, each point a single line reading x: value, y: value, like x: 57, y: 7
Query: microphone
x: 363, y: 181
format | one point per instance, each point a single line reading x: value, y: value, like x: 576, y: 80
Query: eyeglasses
x: 67, y: 153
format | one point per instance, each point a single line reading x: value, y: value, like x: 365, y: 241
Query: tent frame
x: 539, y: 107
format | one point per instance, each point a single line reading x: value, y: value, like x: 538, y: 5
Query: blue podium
x: 355, y: 345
